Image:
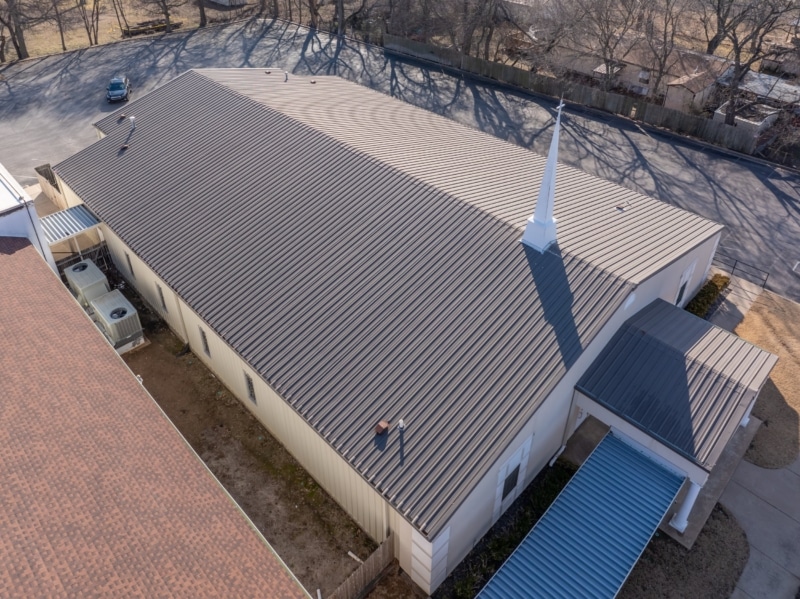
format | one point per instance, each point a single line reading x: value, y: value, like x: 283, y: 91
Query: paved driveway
x: 47, y: 106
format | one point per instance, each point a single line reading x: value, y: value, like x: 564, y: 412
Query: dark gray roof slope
x: 679, y: 378
x: 357, y: 291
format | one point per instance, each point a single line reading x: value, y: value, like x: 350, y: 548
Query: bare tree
x: 749, y: 24
x: 90, y: 15
x: 15, y: 18
x: 119, y: 11
x: 462, y: 19
x: 313, y: 7
x: 2, y: 43
x: 202, y: 8
x: 662, y: 21
x: 601, y: 27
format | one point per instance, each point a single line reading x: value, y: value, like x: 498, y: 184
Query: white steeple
x: 540, y: 231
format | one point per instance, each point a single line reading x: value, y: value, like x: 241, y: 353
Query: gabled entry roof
x: 592, y: 535
x: 679, y: 378
x: 363, y: 256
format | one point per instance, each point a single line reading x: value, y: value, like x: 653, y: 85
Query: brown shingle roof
x: 100, y: 494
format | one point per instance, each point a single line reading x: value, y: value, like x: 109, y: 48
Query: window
x: 251, y: 390
x: 130, y: 266
x: 644, y: 76
x: 205, y: 343
x: 511, y: 482
x: 161, y: 297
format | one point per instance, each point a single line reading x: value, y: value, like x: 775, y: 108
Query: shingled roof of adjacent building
x: 679, y: 378
x: 100, y: 495
x: 363, y: 256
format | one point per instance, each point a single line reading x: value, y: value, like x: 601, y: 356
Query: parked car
x: 119, y: 88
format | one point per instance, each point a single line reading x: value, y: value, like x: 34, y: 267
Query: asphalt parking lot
x: 47, y: 106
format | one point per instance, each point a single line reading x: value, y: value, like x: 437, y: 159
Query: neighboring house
x: 350, y: 266
x: 18, y: 216
x: 101, y: 495
x: 636, y: 70
x: 764, y: 88
x: 691, y: 92
x: 786, y: 63
x: 755, y: 118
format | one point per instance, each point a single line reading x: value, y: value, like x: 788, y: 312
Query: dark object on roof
x: 679, y: 378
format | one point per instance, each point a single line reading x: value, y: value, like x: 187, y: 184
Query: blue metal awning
x: 592, y: 535
x: 62, y: 225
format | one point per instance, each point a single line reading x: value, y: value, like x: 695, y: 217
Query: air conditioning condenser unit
x: 87, y: 281
x: 117, y: 318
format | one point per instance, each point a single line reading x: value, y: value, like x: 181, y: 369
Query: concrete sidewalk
x: 766, y: 503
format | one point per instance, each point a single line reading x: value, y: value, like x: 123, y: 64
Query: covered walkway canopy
x: 68, y: 223
x: 590, y: 538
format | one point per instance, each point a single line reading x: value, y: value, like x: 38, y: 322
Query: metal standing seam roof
x: 365, y: 268
x: 101, y: 495
x: 592, y: 535
x: 68, y: 223
x: 679, y: 378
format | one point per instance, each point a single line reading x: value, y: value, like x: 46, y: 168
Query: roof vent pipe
x: 285, y: 76
x: 540, y: 230
x: 133, y: 123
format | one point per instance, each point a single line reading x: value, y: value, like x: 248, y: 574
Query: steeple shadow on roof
x: 556, y: 298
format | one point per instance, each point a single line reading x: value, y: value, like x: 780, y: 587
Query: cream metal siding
x: 337, y: 477
x: 332, y: 472
x: 70, y: 197
x: 146, y: 282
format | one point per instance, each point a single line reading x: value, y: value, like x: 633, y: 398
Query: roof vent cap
x: 381, y: 427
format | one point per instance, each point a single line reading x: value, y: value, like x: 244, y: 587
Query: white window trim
x: 518, y: 458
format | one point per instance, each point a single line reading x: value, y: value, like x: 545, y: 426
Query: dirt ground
x: 310, y: 532
x: 773, y: 323
x: 44, y: 38
x: 710, y: 570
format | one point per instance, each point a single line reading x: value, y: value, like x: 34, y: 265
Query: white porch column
x: 681, y: 519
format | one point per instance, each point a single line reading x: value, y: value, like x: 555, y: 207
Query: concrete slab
x: 583, y: 441
x: 764, y: 579
x: 709, y: 495
x: 739, y: 594
x: 768, y: 529
x: 780, y: 488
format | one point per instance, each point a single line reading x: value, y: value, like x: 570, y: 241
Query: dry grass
x: 710, y: 570
x: 773, y: 323
x: 44, y: 39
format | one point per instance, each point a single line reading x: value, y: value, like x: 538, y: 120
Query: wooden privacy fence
x: 367, y: 572
x: 734, y: 138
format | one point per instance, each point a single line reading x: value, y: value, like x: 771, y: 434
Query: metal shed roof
x: 679, y: 378
x: 364, y: 258
x: 590, y: 538
x: 68, y: 223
